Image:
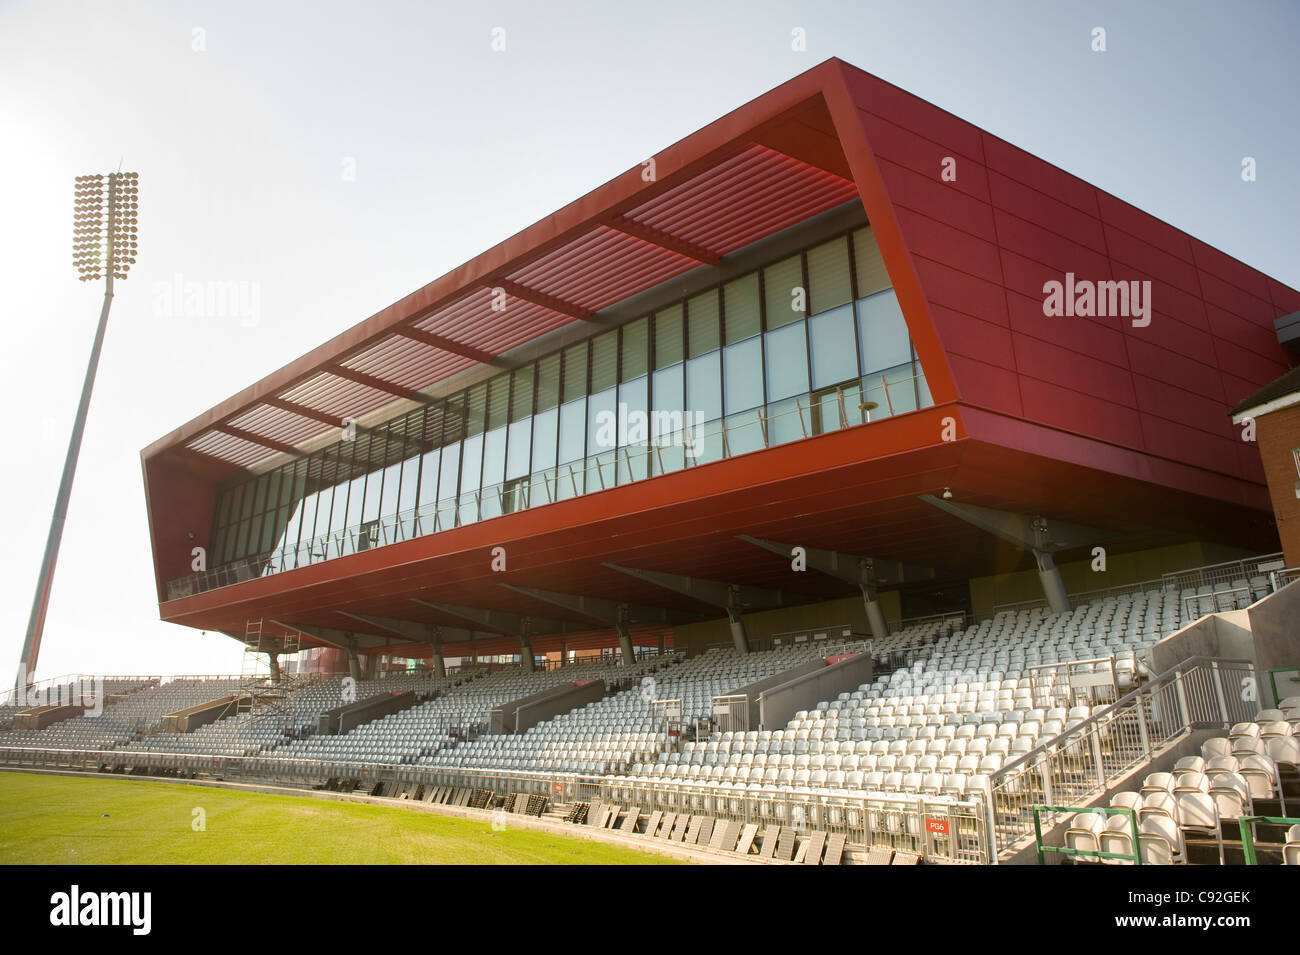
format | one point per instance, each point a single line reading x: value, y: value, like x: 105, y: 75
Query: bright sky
x: 245, y: 119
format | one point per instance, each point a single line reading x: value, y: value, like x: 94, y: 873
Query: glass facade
x: 809, y: 344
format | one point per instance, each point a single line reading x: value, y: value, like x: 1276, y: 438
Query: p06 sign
x: 939, y: 826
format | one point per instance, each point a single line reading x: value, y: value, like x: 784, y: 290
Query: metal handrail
x: 1162, y: 583
x: 1083, y: 741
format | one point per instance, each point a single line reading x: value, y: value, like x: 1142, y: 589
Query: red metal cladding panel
x: 1096, y: 339
x: 1075, y: 373
x: 973, y: 337
x: 928, y: 196
x: 906, y: 109
x: 937, y: 241
x: 925, y: 157
x: 1227, y: 269
x: 1156, y: 233
x: 1045, y: 212
x: 1130, y: 250
x: 1285, y: 299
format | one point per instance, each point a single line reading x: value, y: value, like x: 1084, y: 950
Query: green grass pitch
x: 92, y: 821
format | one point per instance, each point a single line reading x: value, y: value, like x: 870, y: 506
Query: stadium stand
x: 962, y: 728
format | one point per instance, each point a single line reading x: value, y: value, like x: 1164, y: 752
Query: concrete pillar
x: 661, y: 644
x: 439, y: 666
x: 564, y: 654
x: 875, y: 614
x: 354, y: 661
x: 1053, y: 587
x: 625, y: 637
x: 526, y: 652
x: 273, y: 659
x: 736, y: 621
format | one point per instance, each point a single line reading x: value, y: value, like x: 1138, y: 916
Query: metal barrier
x: 1199, y: 693
x: 936, y: 828
x: 731, y: 713
x: 1136, y: 857
x: 1247, y: 826
x: 1180, y: 579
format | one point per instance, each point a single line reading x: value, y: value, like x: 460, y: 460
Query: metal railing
x: 1135, y: 856
x: 936, y: 828
x: 1085, y: 759
x: 1193, y: 577
x: 767, y: 426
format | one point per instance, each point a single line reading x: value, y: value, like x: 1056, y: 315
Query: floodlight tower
x: 103, y: 246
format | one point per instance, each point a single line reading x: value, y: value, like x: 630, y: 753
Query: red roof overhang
x: 769, y: 165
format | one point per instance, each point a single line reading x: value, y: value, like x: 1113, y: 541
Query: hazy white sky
x: 245, y: 118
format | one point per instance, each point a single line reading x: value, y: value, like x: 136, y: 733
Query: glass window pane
x: 273, y: 490
x: 744, y: 432
x: 669, y: 330
x: 783, y: 291
x: 392, y: 490
x: 449, y: 473
x: 521, y: 393
x: 833, y: 346
x: 740, y: 307
x: 471, y: 464
x: 787, y: 362
x: 545, y: 431
x: 548, y: 382
x: 518, y: 448
x: 604, y: 360
x: 883, y: 332
x: 575, y: 371
x: 704, y: 386
x: 868, y: 264
x: 744, y: 375
x: 573, y: 431
x: 602, y: 423
x: 702, y: 332
x: 429, y: 478
x: 259, y: 497
x: 408, y: 497
x: 635, y: 347
x: 494, y: 467
x: 356, y: 500
x: 828, y: 276
x: 339, y: 516
x: 668, y: 422
x: 634, y: 423
x: 475, y: 408
x: 498, y: 401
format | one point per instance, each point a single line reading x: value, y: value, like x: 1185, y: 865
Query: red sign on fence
x: 937, y: 825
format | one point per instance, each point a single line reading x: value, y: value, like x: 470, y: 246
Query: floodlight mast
x: 103, y: 245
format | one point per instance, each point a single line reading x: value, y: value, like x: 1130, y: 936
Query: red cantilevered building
x: 821, y: 322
